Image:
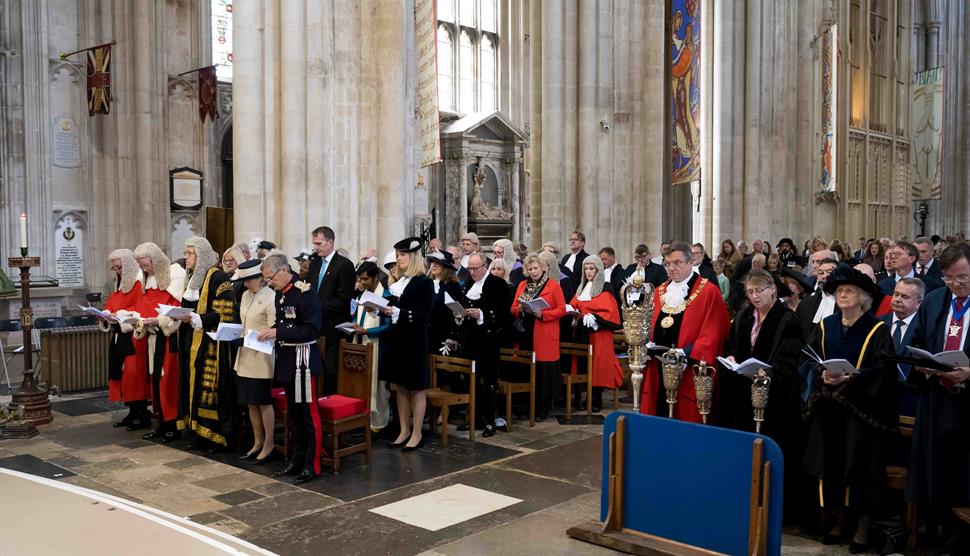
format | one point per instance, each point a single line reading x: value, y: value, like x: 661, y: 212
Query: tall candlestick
x: 23, y: 231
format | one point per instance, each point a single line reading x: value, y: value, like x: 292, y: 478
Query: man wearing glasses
x: 650, y: 272
x: 939, y: 470
x: 297, y: 364
x: 572, y: 263
x: 689, y: 314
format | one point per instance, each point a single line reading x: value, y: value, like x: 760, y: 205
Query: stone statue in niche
x: 479, y: 208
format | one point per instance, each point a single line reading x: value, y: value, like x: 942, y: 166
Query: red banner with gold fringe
x: 99, y: 80
x: 208, y: 93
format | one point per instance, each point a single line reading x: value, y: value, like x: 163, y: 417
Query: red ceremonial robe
x: 607, y: 372
x: 168, y: 385
x: 545, y: 334
x: 704, y: 329
x: 133, y: 386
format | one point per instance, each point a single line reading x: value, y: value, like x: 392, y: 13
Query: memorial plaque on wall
x: 69, y: 244
x: 65, y: 143
x: 186, y: 188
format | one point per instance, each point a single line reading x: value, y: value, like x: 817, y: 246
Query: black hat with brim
x: 409, y: 245
x: 266, y: 245
x: 444, y: 258
x: 247, y: 269
x: 785, y: 240
x: 844, y: 275
x: 798, y: 277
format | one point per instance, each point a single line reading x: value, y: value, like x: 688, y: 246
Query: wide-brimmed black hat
x: 785, y: 240
x: 444, y: 258
x: 798, y: 277
x: 409, y: 244
x: 844, y: 275
x: 304, y: 255
x: 248, y: 269
x: 266, y: 245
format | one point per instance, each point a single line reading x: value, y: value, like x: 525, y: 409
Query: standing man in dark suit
x: 702, y: 263
x: 487, y: 315
x: 902, y: 324
x: 612, y: 271
x: 904, y: 255
x: 939, y: 468
x: 651, y: 272
x: 572, y: 264
x: 926, y: 265
x: 332, y: 277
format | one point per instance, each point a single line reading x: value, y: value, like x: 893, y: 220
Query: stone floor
x: 522, y: 489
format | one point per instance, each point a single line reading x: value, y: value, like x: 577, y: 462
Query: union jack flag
x: 99, y: 80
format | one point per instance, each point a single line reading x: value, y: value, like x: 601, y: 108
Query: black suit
x: 483, y: 342
x: 575, y: 273
x: 933, y: 271
x: 334, y: 293
x: 939, y: 467
x: 907, y: 402
x: 806, y: 313
x: 888, y: 284
x: 706, y: 270
x: 617, y: 276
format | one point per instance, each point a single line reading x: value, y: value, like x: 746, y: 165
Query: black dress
x: 851, y: 425
x: 442, y: 321
x: 405, y: 360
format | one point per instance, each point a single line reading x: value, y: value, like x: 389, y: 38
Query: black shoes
x: 489, y: 431
x: 139, y: 423
x: 415, y: 447
x: 267, y: 459
x: 251, y: 455
x: 169, y: 437
x: 289, y: 469
x: 306, y: 476
x: 401, y: 443
x: 124, y: 422
x: 157, y: 433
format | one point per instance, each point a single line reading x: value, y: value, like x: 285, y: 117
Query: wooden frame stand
x: 613, y: 533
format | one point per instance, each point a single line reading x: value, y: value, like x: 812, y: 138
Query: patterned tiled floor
x: 532, y: 484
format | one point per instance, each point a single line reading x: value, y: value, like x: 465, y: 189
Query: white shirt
x: 912, y: 274
x: 676, y: 292
x: 608, y: 272
x: 585, y: 294
x: 571, y: 262
x: 825, y: 308
x: 464, y: 261
x: 475, y: 292
x: 657, y: 260
x: 902, y: 333
x: 397, y: 289
x: 925, y: 267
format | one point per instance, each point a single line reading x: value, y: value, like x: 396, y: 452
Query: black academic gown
x: 851, y: 426
x: 442, y: 325
x: 939, y: 467
x: 405, y: 361
x: 483, y: 342
x: 653, y: 273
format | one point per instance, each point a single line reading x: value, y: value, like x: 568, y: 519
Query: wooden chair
x: 349, y: 409
x: 444, y: 399
x: 896, y: 479
x: 578, y: 350
x: 519, y: 357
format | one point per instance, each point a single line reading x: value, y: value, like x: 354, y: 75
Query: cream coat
x: 256, y: 312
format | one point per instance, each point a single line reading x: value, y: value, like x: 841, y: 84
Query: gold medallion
x: 667, y: 321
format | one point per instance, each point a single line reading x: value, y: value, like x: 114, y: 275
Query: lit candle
x: 23, y: 231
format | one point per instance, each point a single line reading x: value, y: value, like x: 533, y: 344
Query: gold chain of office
x: 668, y: 321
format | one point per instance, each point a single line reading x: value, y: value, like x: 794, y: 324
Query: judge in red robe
x: 689, y: 314
x: 127, y: 380
x: 164, y: 283
x: 598, y: 317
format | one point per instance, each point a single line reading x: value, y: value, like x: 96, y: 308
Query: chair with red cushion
x: 279, y: 409
x: 349, y: 408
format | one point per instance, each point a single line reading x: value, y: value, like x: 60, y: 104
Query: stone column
x: 727, y: 145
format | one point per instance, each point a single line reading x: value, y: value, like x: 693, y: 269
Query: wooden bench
x: 355, y: 376
x: 507, y: 388
x: 578, y: 350
x: 444, y: 399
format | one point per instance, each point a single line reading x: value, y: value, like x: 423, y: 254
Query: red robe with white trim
x: 703, y: 330
x: 607, y: 372
x: 133, y: 385
x: 168, y: 386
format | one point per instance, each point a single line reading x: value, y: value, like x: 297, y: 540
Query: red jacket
x: 607, y: 372
x: 545, y: 334
x: 133, y: 385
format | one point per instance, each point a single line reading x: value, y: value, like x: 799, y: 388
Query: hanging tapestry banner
x: 685, y: 98
x: 828, y: 155
x: 207, y: 94
x: 99, y: 80
x: 928, y: 134
x: 424, y: 40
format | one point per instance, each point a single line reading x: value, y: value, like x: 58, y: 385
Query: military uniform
x: 297, y: 368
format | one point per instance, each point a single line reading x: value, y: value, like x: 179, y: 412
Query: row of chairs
x: 349, y: 409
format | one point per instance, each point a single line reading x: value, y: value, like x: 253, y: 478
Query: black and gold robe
x: 208, y: 393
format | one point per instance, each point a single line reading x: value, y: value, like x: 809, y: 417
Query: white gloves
x: 444, y: 350
x: 589, y: 321
x: 196, y: 321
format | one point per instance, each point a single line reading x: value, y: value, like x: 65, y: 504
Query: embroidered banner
x: 207, y: 94
x: 685, y: 81
x: 424, y: 40
x: 99, y: 80
x: 829, y: 53
x: 928, y: 134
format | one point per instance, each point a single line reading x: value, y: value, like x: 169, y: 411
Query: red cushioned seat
x: 279, y: 398
x: 338, y: 407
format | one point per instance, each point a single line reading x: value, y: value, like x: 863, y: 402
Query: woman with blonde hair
x: 405, y: 361
x: 541, y: 325
x: 505, y: 251
x: 598, y: 316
